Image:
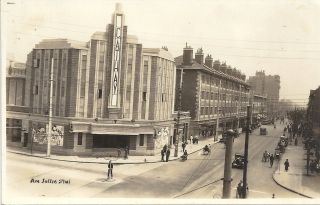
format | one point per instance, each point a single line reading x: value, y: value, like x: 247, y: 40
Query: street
x: 198, y: 177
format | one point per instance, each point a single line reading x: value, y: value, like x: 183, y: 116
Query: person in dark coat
x: 271, y: 160
x: 286, y: 165
x: 183, y: 146
x: 110, y: 168
x: 126, y: 152
x: 165, y: 147
x: 162, y: 155
x: 167, y: 155
x: 296, y: 141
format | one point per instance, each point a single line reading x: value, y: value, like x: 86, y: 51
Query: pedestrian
x: 286, y: 165
x: 127, y: 149
x: 183, y: 146
x: 126, y: 153
x: 165, y: 147
x: 191, y: 139
x: 119, y: 152
x: 162, y: 155
x: 110, y: 167
x: 271, y: 160
x: 239, y: 190
x: 312, y: 166
x: 167, y: 155
x: 296, y: 141
x: 196, y: 139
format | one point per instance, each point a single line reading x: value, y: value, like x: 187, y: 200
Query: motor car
x: 238, y: 161
x: 263, y: 131
x: 266, y: 122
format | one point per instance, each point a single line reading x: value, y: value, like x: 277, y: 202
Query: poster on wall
x: 161, y: 137
x: 39, y: 134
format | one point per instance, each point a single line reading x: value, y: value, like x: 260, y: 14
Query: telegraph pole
x: 218, y: 114
x: 50, y: 111
x: 178, y: 116
x: 228, y: 165
x: 246, y: 147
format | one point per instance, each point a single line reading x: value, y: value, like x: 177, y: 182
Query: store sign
x: 116, y: 60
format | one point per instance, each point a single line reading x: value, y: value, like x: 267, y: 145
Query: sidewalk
x: 191, y: 148
x: 296, y: 179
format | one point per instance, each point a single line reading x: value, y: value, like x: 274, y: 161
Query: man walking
x: 183, y: 146
x: 162, y: 155
x: 191, y: 139
x: 271, y: 160
x: 167, y: 155
x: 286, y: 165
x: 110, y: 167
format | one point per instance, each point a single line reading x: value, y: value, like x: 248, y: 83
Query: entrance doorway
x: 110, y: 141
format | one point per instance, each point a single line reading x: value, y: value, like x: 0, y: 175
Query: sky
x: 281, y: 37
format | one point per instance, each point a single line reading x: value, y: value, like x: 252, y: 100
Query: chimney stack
x: 223, y: 67
x: 187, y: 55
x: 216, y: 65
x: 199, y: 56
x: 209, y: 61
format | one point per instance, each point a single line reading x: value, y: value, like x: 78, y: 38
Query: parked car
x: 263, y: 131
x: 238, y: 161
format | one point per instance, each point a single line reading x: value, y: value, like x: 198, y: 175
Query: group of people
x: 165, y: 152
x: 241, y: 190
x: 126, y: 152
x: 268, y: 157
x: 194, y: 140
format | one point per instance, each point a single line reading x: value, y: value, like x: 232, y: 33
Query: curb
x: 114, y: 162
x: 289, y: 189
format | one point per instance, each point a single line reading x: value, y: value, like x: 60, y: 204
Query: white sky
x: 279, y: 36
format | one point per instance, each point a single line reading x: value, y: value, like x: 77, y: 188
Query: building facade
x: 15, y: 101
x: 108, y: 93
x: 267, y: 85
x: 212, y: 92
x: 259, y: 107
x: 314, y: 116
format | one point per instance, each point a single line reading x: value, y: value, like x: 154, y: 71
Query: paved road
x: 165, y: 180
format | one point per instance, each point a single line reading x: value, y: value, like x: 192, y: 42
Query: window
x: 80, y: 138
x: 36, y: 63
x: 99, y: 93
x: 163, y: 97
x: 36, y: 90
x: 141, y: 140
x: 144, y: 96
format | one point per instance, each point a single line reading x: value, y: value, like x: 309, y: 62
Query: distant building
x: 314, y: 114
x: 108, y: 93
x: 267, y: 85
x: 259, y: 107
x: 212, y: 92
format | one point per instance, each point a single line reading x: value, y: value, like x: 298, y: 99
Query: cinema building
x: 108, y: 93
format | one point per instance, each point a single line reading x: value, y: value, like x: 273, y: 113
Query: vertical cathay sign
x: 116, y: 60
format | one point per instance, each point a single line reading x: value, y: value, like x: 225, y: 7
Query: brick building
x: 108, y: 93
x: 212, y: 92
x: 314, y: 113
x: 267, y: 85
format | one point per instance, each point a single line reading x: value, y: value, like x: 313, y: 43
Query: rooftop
x: 61, y: 43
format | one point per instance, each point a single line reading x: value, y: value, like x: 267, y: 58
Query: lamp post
x: 50, y: 111
x: 228, y: 165
x: 178, y: 116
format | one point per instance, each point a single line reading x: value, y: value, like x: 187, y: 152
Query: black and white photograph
x: 157, y: 102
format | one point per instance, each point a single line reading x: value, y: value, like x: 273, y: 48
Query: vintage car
x: 238, y: 161
x: 263, y: 131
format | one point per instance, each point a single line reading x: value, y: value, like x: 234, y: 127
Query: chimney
x: 187, y: 55
x: 229, y: 70
x: 216, y: 65
x: 209, y: 61
x: 223, y: 67
x: 199, y: 56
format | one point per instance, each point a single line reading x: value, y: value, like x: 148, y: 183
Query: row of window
x: 214, y: 96
x: 223, y: 110
x: 209, y: 80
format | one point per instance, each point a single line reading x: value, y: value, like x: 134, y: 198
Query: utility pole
x: 218, y: 114
x: 228, y: 165
x: 178, y: 116
x: 246, y: 146
x: 238, y: 105
x: 50, y: 111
